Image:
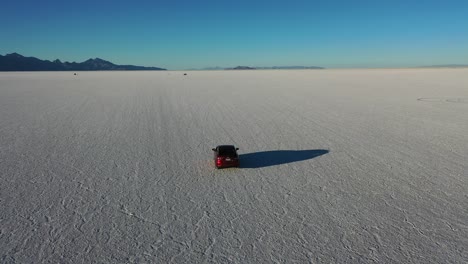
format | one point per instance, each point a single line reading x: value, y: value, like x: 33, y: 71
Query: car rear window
x: 228, y: 151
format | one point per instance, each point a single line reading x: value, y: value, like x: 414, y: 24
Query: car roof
x: 225, y: 147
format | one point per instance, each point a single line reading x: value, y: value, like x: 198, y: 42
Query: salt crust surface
x: 338, y: 166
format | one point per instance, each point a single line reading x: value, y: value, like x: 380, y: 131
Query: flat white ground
x: 337, y: 166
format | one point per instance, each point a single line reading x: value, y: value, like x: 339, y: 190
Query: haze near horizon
x: 185, y: 35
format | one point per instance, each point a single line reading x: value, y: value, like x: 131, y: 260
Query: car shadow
x: 277, y: 157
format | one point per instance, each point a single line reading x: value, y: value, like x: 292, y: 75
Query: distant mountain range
x: 241, y: 68
x: 266, y: 68
x: 447, y: 66
x: 17, y: 62
x: 292, y: 68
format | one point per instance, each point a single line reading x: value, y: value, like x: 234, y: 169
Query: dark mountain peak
x: 57, y: 61
x: 99, y: 64
x: 14, y: 55
x: 97, y: 60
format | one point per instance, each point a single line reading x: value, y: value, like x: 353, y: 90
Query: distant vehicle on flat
x: 226, y: 156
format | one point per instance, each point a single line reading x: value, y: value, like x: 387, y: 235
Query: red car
x: 226, y: 156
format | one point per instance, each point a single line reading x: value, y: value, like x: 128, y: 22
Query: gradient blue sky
x: 197, y: 34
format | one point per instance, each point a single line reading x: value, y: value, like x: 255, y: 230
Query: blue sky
x: 197, y: 34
